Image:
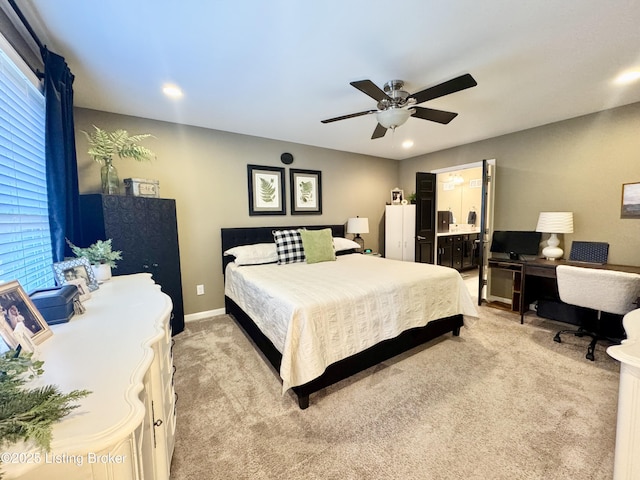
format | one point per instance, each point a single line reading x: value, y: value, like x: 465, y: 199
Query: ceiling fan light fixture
x: 393, y: 117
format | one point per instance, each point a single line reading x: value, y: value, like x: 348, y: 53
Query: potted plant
x: 100, y: 255
x: 29, y: 412
x: 104, y: 145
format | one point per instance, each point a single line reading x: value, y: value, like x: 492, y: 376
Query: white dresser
x: 120, y: 349
x: 627, y: 460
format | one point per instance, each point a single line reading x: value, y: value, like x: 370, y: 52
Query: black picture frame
x: 266, y: 190
x: 305, y: 187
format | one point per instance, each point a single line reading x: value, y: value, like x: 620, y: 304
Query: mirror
x: 459, y: 199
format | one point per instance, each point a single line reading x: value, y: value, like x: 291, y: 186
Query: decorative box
x: 141, y: 187
x: 56, y: 305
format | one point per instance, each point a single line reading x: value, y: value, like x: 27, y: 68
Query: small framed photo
x: 73, y: 269
x: 21, y: 322
x: 306, y: 192
x: 397, y: 196
x: 630, y: 200
x: 83, y: 289
x: 266, y: 190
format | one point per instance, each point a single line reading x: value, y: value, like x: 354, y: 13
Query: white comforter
x: 317, y: 314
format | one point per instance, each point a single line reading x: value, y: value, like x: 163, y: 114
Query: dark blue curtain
x: 60, y: 150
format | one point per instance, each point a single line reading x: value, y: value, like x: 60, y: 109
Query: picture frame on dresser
x: 73, y: 269
x: 22, y: 323
x: 306, y: 191
x: 266, y: 190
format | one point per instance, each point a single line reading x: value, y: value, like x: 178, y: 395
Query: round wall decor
x: 286, y: 158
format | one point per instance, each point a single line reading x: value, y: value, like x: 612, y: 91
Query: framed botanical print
x: 630, y: 200
x: 266, y: 190
x: 306, y: 192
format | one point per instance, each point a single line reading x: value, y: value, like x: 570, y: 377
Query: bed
x: 320, y: 322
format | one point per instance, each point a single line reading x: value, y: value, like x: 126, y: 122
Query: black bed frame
x: 344, y: 368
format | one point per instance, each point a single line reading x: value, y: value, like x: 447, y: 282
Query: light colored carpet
x: 502, y: 401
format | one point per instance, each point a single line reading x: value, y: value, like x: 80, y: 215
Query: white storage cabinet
x: 400, y: 232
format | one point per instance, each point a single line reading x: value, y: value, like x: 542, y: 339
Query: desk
x: 532, y: 271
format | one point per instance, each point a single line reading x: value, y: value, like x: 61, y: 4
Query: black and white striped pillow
x: 289, y: 246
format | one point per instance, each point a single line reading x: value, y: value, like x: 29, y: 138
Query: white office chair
x: 602, y: 290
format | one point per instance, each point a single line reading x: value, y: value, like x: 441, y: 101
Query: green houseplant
x: 28, y: 414
x: 103, y: 145
x: 100, y: 255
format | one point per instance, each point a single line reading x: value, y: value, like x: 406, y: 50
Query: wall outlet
x: 199, y: 289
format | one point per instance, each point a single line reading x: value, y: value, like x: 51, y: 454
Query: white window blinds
x: 25, y: 241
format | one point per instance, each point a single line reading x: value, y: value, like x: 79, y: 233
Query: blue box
x: 56, y: 305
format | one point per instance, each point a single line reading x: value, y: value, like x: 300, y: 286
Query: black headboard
x: 234, y: 237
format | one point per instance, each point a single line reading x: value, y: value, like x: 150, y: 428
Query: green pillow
x: 318, y: 245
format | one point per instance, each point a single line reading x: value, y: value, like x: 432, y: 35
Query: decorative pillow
x: 318, y: 245
x: 344, y: 244
x: 255, y: 254
x: 289, y: 246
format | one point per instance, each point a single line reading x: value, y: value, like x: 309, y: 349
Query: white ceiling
x: 276, y: 68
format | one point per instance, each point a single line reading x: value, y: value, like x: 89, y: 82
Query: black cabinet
x: 445, y: 251
x: 146, y: 230
x: 458, y: 251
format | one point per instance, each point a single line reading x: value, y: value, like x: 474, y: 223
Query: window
x: 25, y: 240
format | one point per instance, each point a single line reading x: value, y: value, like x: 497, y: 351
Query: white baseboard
x: 494, y: 298
x: 210, y: 313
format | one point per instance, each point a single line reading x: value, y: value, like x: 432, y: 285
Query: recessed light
x: 407, y: 144
x: 172, y: 91
x: 628, y: 77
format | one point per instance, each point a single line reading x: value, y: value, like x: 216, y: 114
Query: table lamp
x: 554, y: 223
x: 357, y: 226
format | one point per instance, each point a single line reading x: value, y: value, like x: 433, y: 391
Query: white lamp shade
x: 358, y: 225
x: 393, y: 117
x: 555, y: 222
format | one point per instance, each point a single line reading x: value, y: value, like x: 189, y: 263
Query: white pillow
x: 344, y: 244
x: 255, y: 254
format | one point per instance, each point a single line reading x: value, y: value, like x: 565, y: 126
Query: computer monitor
x: 516, y: 243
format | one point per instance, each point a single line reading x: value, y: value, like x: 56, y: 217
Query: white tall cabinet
x: 120, y: 350
x: 400, y: 232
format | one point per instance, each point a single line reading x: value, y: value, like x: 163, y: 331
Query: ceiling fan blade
x: 379, y: 132
x: 439, y: 116
x: 451, y: 86
x: 369, y: 88
x: 351, y: 115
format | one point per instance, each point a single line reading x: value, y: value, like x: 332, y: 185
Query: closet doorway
x: 464, y: 216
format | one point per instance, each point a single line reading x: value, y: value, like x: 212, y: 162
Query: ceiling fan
x: 395, y: 105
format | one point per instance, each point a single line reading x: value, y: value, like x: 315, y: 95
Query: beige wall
x: 206, y: 172
x: 577, y: 165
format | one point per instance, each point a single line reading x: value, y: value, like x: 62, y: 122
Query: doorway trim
x: 462, y: 167
x: 484, y: 283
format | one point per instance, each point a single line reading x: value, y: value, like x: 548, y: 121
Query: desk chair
x: 603, y: 290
